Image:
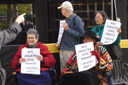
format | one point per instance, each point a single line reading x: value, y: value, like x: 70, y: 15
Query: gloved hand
x: 95, y: 53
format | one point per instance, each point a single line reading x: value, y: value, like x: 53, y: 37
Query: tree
x: 12, y: 10
x: 25, y: 8
x: 3, y: 10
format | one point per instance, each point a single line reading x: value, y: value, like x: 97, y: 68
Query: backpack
x: 74, y: 23
x: 74, y: 18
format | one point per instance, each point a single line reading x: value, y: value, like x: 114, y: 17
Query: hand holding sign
x: 119, y: 30
x: 99, y: 43
x: 65, y: 25
x: 22, y: 60
x: 58, y: 45
x: 95, y: 53
x: 40, y: 57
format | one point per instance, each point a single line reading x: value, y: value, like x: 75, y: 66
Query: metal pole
x: 95, y: 5
x: 115, y: 8
x: 103, y: 5
x: 111, y: 9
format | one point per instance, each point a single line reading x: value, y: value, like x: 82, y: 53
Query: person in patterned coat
x: 94, y: 76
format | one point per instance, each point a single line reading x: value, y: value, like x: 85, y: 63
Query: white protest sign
x: 110, y: 33
x: 32, y: 64
x: 61, y: 30
x: 85, y: 60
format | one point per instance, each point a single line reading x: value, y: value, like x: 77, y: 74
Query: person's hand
x: 65, y: 25
x: 119, y: 30
x: 95, y: 53
x: 99, y: 43
x: 58, y: 45
x: 40, y: 57
x: 22, y: 60
x: 20, y: 18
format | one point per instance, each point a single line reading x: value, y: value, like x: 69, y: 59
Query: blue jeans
x: 110, y: 78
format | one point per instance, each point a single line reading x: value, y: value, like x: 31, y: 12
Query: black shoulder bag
x: 115, y: 51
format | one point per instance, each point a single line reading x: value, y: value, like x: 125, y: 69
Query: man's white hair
x: 70, y: 9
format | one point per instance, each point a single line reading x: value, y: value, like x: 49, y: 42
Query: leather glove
x: 95, y: 53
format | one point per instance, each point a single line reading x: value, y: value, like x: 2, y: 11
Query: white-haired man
x: 73, y: 30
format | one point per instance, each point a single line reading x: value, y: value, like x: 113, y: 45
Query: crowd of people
x: 73, y: 34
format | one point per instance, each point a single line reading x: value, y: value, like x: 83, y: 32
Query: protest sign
x: 32, y: 64
x: 110, y: 33
x: 85, y: 60
x: 61, y: 30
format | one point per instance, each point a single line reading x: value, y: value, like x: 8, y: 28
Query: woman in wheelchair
x: 46, y: 61
x: 94, y: 76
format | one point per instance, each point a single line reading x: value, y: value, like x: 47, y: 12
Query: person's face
x: 99, y: 19
x: 31, y: 39
x: 88, y: 39
x: 63, y: 11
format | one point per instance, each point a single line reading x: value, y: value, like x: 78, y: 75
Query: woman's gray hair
x: 103, y: 14
x: 33, y: 31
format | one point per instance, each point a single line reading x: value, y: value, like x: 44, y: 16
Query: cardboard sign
x: 61, y: 30
x: 84, y: 58
x: 32, y: 64
x: 110, y: 33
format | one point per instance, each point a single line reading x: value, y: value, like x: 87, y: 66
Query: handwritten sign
x: 110, y: 33
x: 61, y: 30
x: 32, y: 64
x: 84, y: 58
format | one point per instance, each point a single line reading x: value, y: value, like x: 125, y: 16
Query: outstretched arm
x: 11, y: 33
